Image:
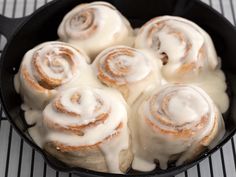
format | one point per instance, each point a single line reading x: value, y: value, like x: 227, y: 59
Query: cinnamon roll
x: 129, y: 70
x: 46, y: 68
x: 94, y: 27
x: 175, y: 123
x: 183, y: 47
x: 87, y: 127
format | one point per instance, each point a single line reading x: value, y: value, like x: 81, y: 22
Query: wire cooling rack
x: 18, y: 159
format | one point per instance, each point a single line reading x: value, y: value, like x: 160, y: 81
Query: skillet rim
x: 85, y: 172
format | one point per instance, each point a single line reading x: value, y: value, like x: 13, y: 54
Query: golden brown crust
x: 89, y: 157
x: 154, y: 42
x: 111, y: 76
x: 88, y: 25
x: 67, y: 148
x: 43, y: 79
x: 30, y: 81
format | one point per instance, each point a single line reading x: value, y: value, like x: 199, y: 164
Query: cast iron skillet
x: 23, y: 34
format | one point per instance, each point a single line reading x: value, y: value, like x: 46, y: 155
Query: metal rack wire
x: 18, y: 159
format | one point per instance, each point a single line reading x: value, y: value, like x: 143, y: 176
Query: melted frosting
x: 193, y: 105
x: 37, y: 132
x: 129, y: 70
x: 162, y: 132
x: 187, y: 53
x: 77, y: 100
x: 113, y: 148
x: 92, y: 103
x: 48, y: 66
x: 91, y: 27
x: 184, y: 48
x: 213, y: 83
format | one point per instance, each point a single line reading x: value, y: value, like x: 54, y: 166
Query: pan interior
x: 42, y: 26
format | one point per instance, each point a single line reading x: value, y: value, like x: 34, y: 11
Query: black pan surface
x: 24, y: 34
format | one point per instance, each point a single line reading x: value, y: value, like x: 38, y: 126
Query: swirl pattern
x: 90, y: 27
x: 47, y: 67
x: 82, y: 25
x: 126, y: 69
x: 173, y: 134
x: 75, y: 105
x: 183, y: 47
x: 85, y: 120
x: 79, y: 108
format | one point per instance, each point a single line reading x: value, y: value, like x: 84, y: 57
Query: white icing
x: 136, y: 30
x: 131, y: 71
x: 17, y: 83
x: 142, y: 165
x: 206, y: 74
x: 37, y: 131
x: 56, y: 63
x: 184, y: 43
x: 82, y: 73
x: 111, y: 28
x: 112, y: 149
x: 193, y: 105
x: 117, y: 114
x: 25, y: 107
x: 135, y: 73
x: 213, y: 83
x: 150, y: 144
x: 32, y: 116
x: 144, y: 77
x: 112, y: 101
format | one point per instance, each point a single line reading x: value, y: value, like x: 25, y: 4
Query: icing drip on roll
x: 183, y: 47
x: 46, y: 68
x: 91, y: 27
x: 187, y: 54
x: 52, y: 68
x: 213, y: 83
x: 80, y: 119
x: 129, y: 70
x: 79, y: 112
x: 176, y: 123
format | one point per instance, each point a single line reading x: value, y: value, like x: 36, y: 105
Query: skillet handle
x: 9, y: 25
